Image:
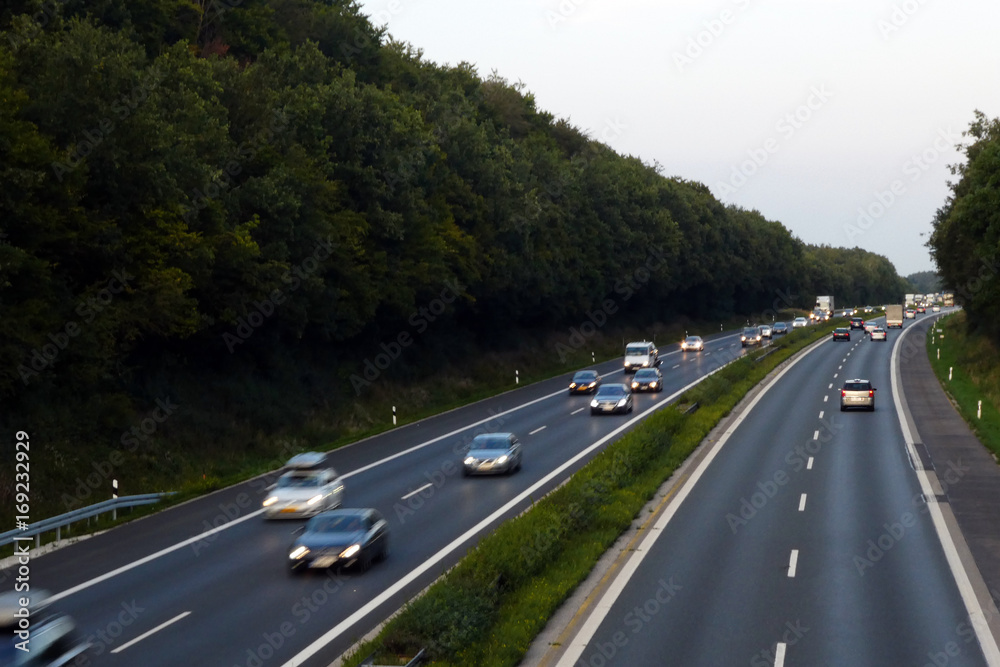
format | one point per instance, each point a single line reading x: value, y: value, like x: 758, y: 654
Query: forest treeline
x: 196, y: 186
x: 965, y: 242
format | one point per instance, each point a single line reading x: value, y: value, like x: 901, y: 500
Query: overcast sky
x: 813, y: 112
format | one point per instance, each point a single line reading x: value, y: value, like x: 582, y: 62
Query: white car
x: 310, y: 487
x: 799, y: 322
x: 693, y: 343
x: 765, y: 330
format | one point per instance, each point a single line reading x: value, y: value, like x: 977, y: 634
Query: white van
x: 641, y: 354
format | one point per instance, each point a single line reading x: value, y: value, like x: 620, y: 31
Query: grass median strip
x: 489, y: 608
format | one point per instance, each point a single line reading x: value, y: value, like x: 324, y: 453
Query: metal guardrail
x: 57, y: 523
x: 417, y: 659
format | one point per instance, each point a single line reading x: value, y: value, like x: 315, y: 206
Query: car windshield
x: 299, y: 480
x: 693, y: 339
x: 585, y: 376
x: 857, y: 386
x: 636, y: 350
x: 610, y: 390
x: 842, y: 330
x: 645, y: 374
x: 490, y: 441
x: 750, y: 331
x: 338, y: 523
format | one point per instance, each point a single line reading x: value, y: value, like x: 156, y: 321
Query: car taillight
x: 843, y: 393
x: 871, y: 393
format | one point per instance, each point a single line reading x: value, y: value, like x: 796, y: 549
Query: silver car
x: 878, y: 333
x: 612, y: 398
x: 857, y: 393
x: 493, y: 454
x: 310, y: 487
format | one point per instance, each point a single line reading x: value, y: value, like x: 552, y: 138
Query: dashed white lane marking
x: 815, y: 435
x: 802, y: 503
x: 820, y: 414
x: 541, y: 428
x: 677, y: 366
x: 825, y: 398
x: 416, y: 491
x: 793, y: 562
x: 809, y: 463
x: 580, y: 410
x: 831, y: 386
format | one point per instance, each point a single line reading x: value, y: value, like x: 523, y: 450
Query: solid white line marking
x: 146, y: 634
x: 779, y: 655
x: 825, y: 398
x: 802, y: 503
x: 537, y: 430
x: 579, y: 643
x: 815, y: 435
x: 413, y: 493
x: 793, y: 561
x: 820, y: 414
x: 433, y: 561
x: 580, y: 410
x: 977, y: 618
x: 809, y: 463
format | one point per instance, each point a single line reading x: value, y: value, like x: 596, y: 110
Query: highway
x: 807, y: 540
x: 206, y: 583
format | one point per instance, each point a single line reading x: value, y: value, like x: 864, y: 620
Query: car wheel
x: 593, y: 411
x: 384, y: 551
x: 629, y: 408
x: 871, y: 408
x: 843, y: 408
x: 365, y: 562
x: 295, y: 571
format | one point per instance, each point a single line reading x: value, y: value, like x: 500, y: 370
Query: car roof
x: 613, y: 386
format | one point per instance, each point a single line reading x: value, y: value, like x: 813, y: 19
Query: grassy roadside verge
x: 974, y: 361
x: 488, y: 608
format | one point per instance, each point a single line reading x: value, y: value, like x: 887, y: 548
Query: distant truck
x: 825, y: 305
x: 948, y: 299
x: 909, y: 301
x: 894, y: 316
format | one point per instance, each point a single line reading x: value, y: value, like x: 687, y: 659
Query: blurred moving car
x: 857, y: 323
x: 878, y: 333
x: 922, y: 310
x: 842, y: 333
x: 857, y: 393
x: 910, y: 314
x: 765, y: 330
x: 779, y: 328
x: 53, y: 638
x: 340, y: 538
x: 935, y: 308
x: 493, y: 454
x: 694, y: 343
x: 310, y: 487
x: 585, y: 382
x: 870, y: 326
x: 751, y: 336
x: 647, y: 379
x: 799, y: 322
x: 612, y: 398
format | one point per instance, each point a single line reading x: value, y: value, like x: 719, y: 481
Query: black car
x: 612, y: 398
x: 751, y: 336
x: 779, y: 328
x: 585, y: 382
x: 340, y: 538
x: 647, y: 379
x: 842, y: 333
x: 857, y: 323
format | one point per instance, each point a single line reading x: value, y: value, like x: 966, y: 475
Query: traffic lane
x: 878, y: 577
x: 732, y: 603
x: 454, y: 514
x: 724, y: 527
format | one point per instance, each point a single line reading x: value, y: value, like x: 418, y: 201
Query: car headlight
x: 315, y: 499
x: 350, y: 551
x: 743, y: 338
x: 572, y: 385
x: 635, y: 385
x: 653, y: 383
x: 298, y: 552
x: 645, y: 362
x: 593, y: 384
x: 502, y: 459
x: 621, y: 403
x: 270, y: 501
x: 593, y: 403
x: 470, y: 460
